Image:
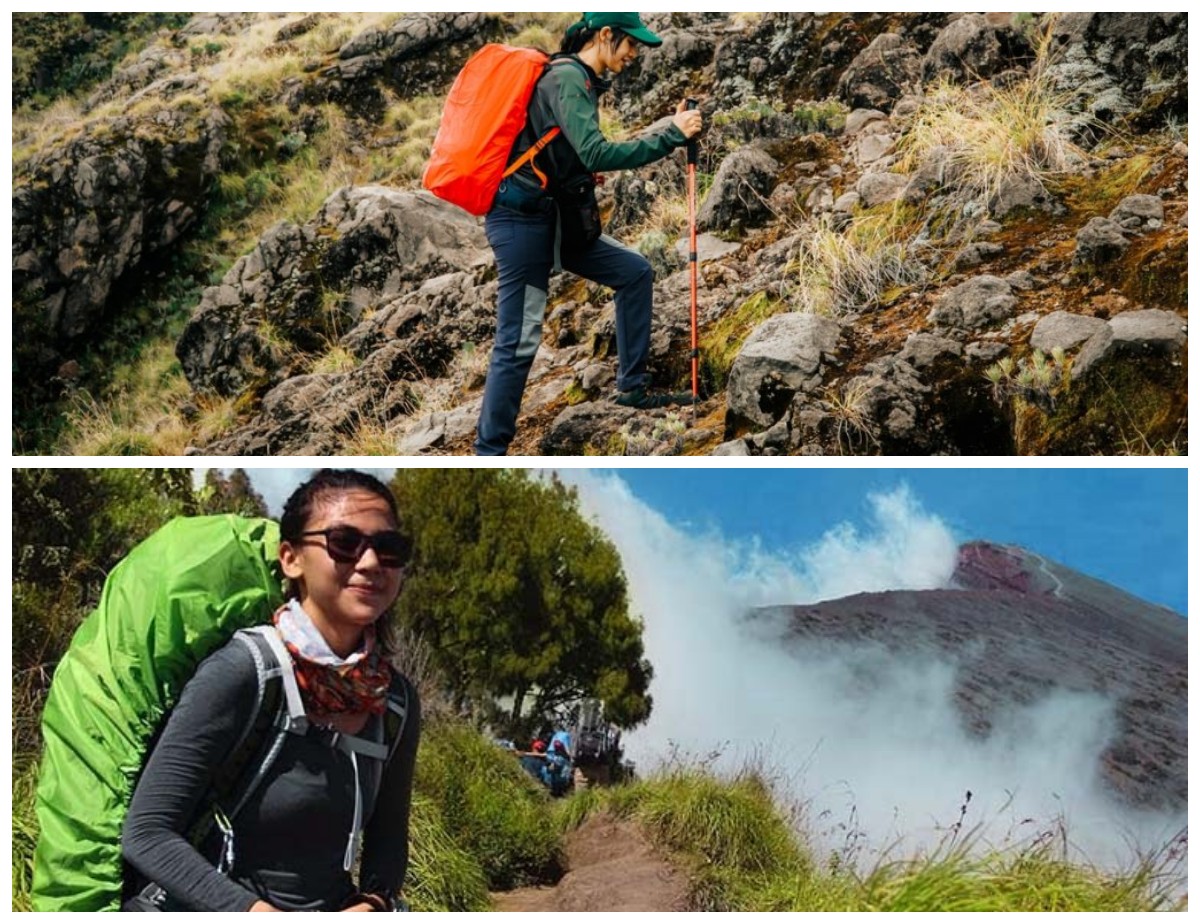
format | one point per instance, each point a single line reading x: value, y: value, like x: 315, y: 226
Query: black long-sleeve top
x: 291, y: 836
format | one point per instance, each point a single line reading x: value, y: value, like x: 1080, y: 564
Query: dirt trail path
x: 611, y: 867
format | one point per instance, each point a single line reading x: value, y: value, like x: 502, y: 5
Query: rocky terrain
x: 881, y: 272
x: 1020, y: 626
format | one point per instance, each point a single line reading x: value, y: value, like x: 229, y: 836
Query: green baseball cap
x: 629, y: 23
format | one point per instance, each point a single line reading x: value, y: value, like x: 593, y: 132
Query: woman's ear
x: 289, y: 561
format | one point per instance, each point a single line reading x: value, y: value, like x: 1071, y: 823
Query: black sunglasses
x: 346, y: 544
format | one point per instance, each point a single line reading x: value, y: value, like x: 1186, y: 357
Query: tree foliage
x: 520, y: 595
x: 232, y: 493
x: 70, y: 527
x: 57, y: 53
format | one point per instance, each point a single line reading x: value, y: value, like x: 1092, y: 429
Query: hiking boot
x: 645, y: 400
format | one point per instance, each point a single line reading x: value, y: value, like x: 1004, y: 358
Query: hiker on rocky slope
x: 295, y: 844
x: 545, y: 215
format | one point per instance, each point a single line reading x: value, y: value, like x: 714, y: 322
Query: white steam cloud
x: 871, y: 743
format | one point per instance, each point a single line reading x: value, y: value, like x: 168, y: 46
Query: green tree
x: 232, y: 493
x: 520, y: 596
x: 70, y: 527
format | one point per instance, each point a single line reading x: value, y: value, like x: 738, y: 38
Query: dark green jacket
x: 568, y: 96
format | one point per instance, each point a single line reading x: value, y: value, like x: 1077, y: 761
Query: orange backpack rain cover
x: 485, y: 112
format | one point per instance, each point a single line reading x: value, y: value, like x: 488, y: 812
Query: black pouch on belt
x: 579, y: 214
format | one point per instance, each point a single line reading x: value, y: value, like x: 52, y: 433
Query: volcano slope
x: 1019, y: 627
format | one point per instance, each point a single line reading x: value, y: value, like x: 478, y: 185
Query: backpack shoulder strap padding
x: 281, y: 667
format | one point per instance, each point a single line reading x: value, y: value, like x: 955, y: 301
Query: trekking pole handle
x: 693, y: 146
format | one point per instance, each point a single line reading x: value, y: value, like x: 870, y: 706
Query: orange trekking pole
x: 693, y: 158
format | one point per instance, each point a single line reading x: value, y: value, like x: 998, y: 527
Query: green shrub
x: 489, y: 805
x: 24, y: 832
x: 442, y: 876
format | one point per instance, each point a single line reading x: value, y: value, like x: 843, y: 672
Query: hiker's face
x: 621, y: 54
x: 339, y: 593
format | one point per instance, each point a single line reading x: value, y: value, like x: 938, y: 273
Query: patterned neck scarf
x: 330, y: 685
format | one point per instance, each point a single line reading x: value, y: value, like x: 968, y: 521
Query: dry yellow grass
x: 834, y: 272
x: 991, y: 134
x: 139, y: 414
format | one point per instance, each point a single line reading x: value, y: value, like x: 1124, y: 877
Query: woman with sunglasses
x: 295, y: 843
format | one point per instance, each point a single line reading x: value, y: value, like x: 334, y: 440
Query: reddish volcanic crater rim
x: 985, y: 566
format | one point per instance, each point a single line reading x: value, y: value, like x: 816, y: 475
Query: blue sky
x: 1127, y: 527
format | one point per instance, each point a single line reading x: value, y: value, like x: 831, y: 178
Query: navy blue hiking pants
x: 524, y: 248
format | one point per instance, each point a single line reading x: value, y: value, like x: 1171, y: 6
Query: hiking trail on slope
x: 610, y: 867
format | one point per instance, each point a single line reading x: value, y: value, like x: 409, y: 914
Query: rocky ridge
x: 1018, y: 626
x: 810, y: 114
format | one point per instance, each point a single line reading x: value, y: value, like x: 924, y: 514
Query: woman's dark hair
x: 299, y: 507
x: 299, y: 510
x: 575, y: 42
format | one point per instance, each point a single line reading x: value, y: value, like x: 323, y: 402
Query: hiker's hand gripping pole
x: 693, y: 158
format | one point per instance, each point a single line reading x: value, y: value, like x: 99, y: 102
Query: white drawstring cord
x: 352, y: 846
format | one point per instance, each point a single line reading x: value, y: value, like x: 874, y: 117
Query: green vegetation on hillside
x: 742, y: 853
x: 123, y: 394
x: 57, y: 54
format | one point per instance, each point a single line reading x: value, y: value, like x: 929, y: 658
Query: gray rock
x: 732, y: 448
x: 860, y: 119
x: 1064, y: 330
x: 371, y: 244
x: 880, y: 188
x: 977, y: 253
x: 585, y: 427
x: 773, y: 440
x: 820, y: 200
x: 923, y: 350
x: 709, y: 247
x: 785, y: 355
x: 1100, y: 241
x: 928, y: 178
x: 881, y: 73
x: 427, y: 433
x: 1022, y: 280
x: 1137, y: 213
x: 743, y: 183
x: 1020, y: 192
x: 984, y: 351
x: 1134, y: 334
x: 976, y: 46
x: 975, y: 304
x: 1153, y: 327
x: 596, y: 377
x: 891, y: 403
x: 1129, y: 46
x: 412, y: 34
x: 847, y: 202
x: 89, y: 212
x: 871, y: 147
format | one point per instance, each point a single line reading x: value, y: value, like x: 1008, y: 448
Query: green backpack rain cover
x: 171, y: 602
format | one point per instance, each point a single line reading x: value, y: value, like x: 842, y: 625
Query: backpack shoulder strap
x: 551, y: 134
x: 266, y: 646
x: 260, y: 740
x: 396, y: 717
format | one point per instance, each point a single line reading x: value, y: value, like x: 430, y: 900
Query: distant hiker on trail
x: 560, y: 769
x: 545, y: 215
x: 337, y: 784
